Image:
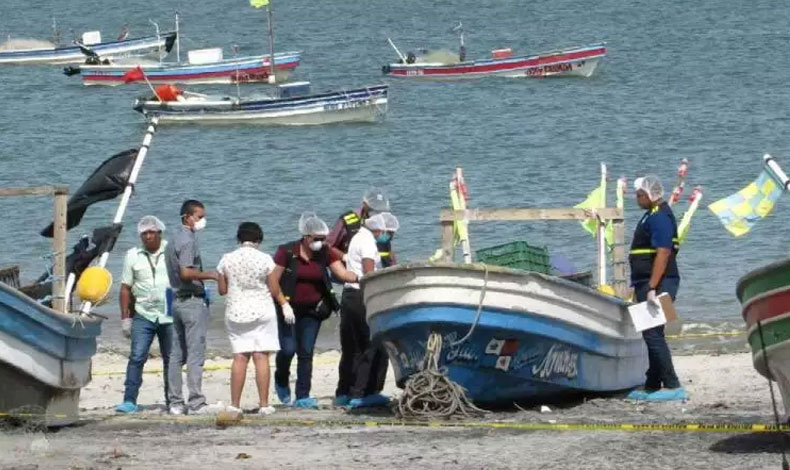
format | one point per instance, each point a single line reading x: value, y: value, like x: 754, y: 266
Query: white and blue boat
x: 507, y: 335
x: 77, y: 53
x: 292, y: 105
x: 45, y: 358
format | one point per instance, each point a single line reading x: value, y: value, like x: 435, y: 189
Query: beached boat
x: 45, y: 358
x: 536, y: 337
x: 765, y: 296
x: 77, y: 53
x: 575, y: 61
x: 237, y: 70
x: 290, y: 107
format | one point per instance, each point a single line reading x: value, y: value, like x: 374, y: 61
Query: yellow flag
x: 259, y: 3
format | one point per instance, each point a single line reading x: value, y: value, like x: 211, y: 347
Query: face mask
x: 316, y: 245
x: 200, y: 224
x: 383, y: 238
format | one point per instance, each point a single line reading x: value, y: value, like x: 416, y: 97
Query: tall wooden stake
x: 59, y: 248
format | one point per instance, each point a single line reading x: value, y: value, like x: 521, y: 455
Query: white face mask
x: 316, y: 245
x: 200, y: 224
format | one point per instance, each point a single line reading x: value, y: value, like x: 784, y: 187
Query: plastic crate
x: 517, y: 255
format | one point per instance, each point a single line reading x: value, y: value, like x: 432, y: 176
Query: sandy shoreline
x: 722, y: 388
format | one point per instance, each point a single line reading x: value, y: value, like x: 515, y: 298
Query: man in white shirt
x: 363, y: 367
x: 143, y: 307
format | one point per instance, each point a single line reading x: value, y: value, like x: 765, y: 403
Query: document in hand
x: 645, y: 315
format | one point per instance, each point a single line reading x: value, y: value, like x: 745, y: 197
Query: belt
x: 189, y: 296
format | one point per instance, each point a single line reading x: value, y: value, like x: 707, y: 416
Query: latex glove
x: 288, y: 314
x: 651, y: 297
x: 126, y: 327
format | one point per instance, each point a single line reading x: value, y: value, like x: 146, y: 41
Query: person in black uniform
x: 654, y: 270
x: 374, y: 202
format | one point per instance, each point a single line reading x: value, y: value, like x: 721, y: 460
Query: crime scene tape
x: 263, y: 421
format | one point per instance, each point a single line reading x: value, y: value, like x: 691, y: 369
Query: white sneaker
x: 177, y: 410
x: 203, y: 410
x: 266, y: 410
x: 233, y: 409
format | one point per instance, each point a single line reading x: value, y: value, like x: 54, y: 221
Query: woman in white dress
x: 250, y: 317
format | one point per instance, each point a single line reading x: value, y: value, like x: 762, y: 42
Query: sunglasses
x: 319, y: 239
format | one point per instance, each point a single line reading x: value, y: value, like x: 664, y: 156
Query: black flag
x: 106, y: 182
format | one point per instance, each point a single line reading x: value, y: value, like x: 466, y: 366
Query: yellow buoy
x: 94, y: 285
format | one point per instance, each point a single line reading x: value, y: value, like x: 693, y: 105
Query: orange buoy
x: 168, y: 92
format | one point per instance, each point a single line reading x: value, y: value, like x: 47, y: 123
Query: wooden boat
x: 536, y: 337
x: 575, y: 61
x: 291, y: 107
x: 765, y: 298
x: 237, y: 70
x: 76, y: 54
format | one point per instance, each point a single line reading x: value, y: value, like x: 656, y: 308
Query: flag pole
x: 457, y: 187
x: 127, y: 192
x: 272, y: 78
x: 602, y: 232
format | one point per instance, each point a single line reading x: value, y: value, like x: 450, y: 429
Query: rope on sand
x: 430, y: 394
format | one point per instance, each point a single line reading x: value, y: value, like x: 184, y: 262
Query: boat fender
x: 94, y: 285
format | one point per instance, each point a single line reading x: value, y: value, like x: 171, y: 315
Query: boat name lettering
x: 558, y: 361
x: 411, y: 73
x: 549, y: 69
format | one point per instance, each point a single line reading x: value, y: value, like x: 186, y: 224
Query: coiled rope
x: 430, y: 394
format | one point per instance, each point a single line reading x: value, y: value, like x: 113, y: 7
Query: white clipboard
x: 646, y: 315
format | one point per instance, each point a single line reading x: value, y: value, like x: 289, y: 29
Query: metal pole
x: 602, y: 233
x: 127, y: 192
x: 59, y: 247
x: 178, y: 42
x: 272, y: 78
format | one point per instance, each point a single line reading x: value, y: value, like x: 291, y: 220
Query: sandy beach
x: 722, y: 388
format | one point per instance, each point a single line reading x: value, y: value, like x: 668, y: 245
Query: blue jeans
x: 661, y: 371
x: 143, y: 332
x: 297, y: 339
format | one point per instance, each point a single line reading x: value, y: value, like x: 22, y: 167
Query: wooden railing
x: 60, y: 194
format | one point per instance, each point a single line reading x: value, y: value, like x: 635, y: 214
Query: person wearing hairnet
x: 654, y: 270
x: 374, y: 201
x: 143, y: 307
x: 304, y: 298
x: 363, y: 365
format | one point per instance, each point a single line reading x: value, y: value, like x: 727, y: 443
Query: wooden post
x: 448, y: 251
x: 619, y: 261
x: 59, y: 248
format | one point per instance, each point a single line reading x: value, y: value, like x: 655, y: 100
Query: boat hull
x: 73, y: 54
x: 765, y: 297
x: 45, y: 357
x: 581, y: 62
x: 244, y: 70
x: 361, y: 105
x: 537, y: 337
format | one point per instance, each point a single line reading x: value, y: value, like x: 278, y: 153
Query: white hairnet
x: 651, y: 185
x: 376, y: 222
x: 311, y: 224
x: 390, y: 222
x: 376, y: 200
x: 148, y: 223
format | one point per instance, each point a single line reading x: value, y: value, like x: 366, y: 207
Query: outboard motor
x: 386, y: 69
x: 411, y: 58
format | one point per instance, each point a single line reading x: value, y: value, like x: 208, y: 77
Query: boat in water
x: 91, y: 45
x: 292, y: 104
x: 765, y: 298
x: 529, y: 336
x: 575, y: 61
x: 251, y: 69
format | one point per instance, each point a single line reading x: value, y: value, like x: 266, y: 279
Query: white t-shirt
x: 362, y: 246
x: 248, y: 298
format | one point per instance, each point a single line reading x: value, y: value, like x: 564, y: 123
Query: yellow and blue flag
x: 259, y: 3
x: 740, y: 211
x: 597, y: 200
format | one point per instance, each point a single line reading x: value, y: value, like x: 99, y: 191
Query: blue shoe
x: 127, y: 407
x: 369, y: 401
x: 356, y: 403
x: 306, y: 403
x: 283, y: 393
x: 668, y: 394
x: 341, y: 400
x: 637, y: 394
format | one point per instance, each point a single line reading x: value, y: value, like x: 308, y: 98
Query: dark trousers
x: 297, y: 339
x: 143, y: 332
x: 363, y: 366
x: 660, y: 372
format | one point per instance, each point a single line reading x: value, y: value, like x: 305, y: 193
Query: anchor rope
x: 430, y: 394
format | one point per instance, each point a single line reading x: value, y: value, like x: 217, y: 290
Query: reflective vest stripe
x: 384, y: 253
x: 644, y: 251
x: 351, y: 218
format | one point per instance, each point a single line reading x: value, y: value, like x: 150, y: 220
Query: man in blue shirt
x: 654, y: 270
